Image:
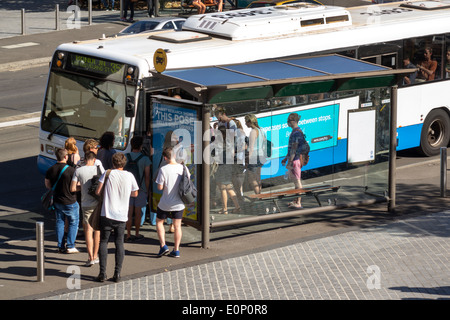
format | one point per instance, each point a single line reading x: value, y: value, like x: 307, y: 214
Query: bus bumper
x: 43, y: 163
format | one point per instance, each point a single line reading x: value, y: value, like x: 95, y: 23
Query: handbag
x: 94, y: 218
x: 47, y: 197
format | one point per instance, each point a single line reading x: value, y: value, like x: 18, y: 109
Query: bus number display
x: 94, y: 65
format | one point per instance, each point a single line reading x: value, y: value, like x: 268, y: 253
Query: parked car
x: 153, y: 24
x: 270, y: 3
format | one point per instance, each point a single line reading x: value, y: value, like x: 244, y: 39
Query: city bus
x: 107, y: 84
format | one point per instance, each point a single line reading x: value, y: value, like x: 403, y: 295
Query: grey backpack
x: 187, y: 191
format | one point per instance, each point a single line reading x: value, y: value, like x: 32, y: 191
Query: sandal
x: 223, y: 211
x: 237, y: 210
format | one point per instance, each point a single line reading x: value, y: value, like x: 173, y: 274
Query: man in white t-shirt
x: 118, y: 188
x: 170, y: 205
x: 81, y: 181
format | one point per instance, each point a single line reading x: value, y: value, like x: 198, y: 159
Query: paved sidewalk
x: 407, y: 259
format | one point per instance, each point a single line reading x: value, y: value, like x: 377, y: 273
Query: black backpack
x: 187, y: 189
x: 132, y: 166
x: 304, y: 153
x: 94, y: 184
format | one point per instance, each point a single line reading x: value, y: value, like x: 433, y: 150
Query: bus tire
x: 435, y: 133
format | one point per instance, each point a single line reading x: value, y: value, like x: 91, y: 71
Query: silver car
x: 153, y: 24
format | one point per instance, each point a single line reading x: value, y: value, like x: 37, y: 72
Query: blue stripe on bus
x: 409, y: 136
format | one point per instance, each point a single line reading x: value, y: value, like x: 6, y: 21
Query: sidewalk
x: 322, y: 256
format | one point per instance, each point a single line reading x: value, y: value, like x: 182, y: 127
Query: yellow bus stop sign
x: 160, y: 60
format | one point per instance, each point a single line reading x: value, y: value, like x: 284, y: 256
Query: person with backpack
x: 293, y: 157
x: 82, y: 181
x: 139, y: 165
x: 65, y: 201
x: 170, y: 205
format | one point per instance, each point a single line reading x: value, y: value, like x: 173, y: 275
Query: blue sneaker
x: 174, y: 254
x: 164, y: 250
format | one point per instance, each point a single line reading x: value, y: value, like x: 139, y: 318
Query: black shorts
x: 162, y: 215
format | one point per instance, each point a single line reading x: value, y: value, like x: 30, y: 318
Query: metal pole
x: 206, y: 182
x: 393, y: 151
x: 90, y: 12
x: 40, y: 251
x: 289, y: 214
x: 57, y: 17
x: 24, y: 25
x: 121, y: 9
x: 443, y: 172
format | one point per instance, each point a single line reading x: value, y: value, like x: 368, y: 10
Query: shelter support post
x: 205, y: 179
x: 393, y: 151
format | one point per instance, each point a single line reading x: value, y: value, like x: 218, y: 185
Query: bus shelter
x: 347, y: 112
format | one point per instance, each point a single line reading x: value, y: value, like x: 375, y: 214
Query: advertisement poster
x: 173, y: 126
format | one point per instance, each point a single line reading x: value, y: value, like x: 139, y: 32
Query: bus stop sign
x: 160, y: 60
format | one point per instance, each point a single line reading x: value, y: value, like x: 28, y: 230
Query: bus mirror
x: 129, y: 108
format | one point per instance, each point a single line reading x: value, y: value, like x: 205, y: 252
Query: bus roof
x: 225, y: 36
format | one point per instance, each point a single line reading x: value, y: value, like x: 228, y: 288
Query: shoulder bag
x: 94, y: 218
x: 47, y: 197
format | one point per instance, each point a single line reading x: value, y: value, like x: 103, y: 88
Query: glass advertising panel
x: 175, y: 126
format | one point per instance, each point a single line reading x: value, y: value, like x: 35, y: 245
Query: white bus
x: 106, y: 84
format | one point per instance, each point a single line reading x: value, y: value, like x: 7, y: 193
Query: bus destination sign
x: 94, y: 65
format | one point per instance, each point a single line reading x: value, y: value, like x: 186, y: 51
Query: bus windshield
x: 83, y: 107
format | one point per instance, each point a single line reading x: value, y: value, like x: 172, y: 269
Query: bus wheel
x: 435, y: 133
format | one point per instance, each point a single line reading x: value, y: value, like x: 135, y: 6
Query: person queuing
x: 117, y: 188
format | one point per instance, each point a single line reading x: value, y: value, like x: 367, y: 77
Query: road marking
x: 21, y: 45
x: 19, y: 122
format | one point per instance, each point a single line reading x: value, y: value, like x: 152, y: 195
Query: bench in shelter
x: 279, y: 195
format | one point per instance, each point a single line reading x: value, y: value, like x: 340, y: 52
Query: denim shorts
x: 139, y: 201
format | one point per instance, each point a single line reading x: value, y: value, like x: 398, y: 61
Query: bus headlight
x: 49, y: 149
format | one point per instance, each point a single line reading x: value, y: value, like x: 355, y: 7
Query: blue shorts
x: 162, y: 215
x: 139, y: 201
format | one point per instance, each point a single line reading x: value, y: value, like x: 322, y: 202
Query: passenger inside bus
x: 427, y: 69
x: 410, y: 78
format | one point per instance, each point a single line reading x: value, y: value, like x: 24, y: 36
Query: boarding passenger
x: 118, y: 187
x: 81, y: 181
x: 65, y: 201
x: 224, y: 153
x: 106, y: 151
x: 170, y: 204
x: 292, y: 159
x: 139, y: 164
x: 256, y: 154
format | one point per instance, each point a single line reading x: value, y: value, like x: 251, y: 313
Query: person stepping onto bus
x: 293, y: 165
x: 139, y: 165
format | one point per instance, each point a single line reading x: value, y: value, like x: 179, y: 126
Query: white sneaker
x: 72, y: 250
x: 90, y: 263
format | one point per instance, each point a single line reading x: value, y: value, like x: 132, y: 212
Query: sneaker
x: 123, y: 19
x: 139, y: 237
x: 90, y: 263
x: 164, y: 250
x: 72, y: 250
x: 62, y: 250
x: 174, y: 254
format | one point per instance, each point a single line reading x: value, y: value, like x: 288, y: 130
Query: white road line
x: 19, y: 122
x: 21, y: 45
